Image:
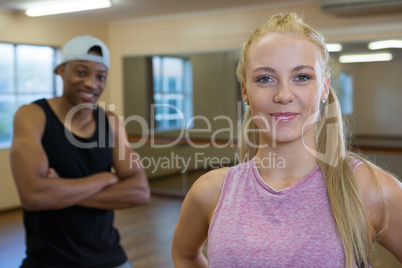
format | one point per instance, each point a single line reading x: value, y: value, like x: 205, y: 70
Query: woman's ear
x: 244, y: 93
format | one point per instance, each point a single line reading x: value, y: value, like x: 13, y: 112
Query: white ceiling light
x: 365, y: 57
x: 334, y: 47
x: 385, y: 44
x: 66, y: 7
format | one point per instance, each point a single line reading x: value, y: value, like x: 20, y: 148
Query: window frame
x: 185, y: 96
x: 16, y: 94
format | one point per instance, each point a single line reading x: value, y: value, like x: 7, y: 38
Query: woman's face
x: 284, y: 86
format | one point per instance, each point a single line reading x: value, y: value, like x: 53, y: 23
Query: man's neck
x: 79, y: 120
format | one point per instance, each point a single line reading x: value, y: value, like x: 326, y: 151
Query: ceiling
x: 123, y: 10
x: 141, y: 9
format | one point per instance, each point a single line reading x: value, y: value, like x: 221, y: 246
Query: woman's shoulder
x: 372, y: 178
x: 204, y: 193
x: 382, y: 198
x: 206, y: 190
x: 378, y: 188
x: 211, y: 182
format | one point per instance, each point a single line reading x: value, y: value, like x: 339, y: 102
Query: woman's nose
x: 284, y: 94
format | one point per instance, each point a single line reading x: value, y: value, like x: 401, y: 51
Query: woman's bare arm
x: 196, y: 213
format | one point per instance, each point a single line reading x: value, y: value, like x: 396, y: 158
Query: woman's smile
x: 283, y: 116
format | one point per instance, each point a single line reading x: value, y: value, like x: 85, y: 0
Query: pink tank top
x: 256, y: 226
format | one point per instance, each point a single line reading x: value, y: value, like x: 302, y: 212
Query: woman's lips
x: 283, y: 117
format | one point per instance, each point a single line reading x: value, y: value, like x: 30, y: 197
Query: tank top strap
x: 354, y: 162
x: 43, y: 103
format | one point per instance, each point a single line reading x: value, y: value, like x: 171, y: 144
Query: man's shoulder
x: 29, y: 123
x: 30, y: 111
x: 29, y: 118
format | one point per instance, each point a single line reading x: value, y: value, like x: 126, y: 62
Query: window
x: 172, y: 92
x: 26, y: 74
x: 346, y: 81
x: 343, y: 87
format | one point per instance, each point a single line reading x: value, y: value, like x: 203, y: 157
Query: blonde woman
x: 323, y: 206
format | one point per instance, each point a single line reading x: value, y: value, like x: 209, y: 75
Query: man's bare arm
x: 132, y: 188
x: 30, y: 165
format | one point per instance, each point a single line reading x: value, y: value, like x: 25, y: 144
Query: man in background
x: 62, y: 156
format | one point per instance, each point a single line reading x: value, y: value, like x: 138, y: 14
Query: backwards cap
x: 78, y: 49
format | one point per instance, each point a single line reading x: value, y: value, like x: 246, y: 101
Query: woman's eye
x: 303, y: 77
x: 264, y: 79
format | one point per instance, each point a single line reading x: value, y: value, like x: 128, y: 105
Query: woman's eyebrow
x: 265, y: 69
x: 272, y: 70
x: 301, y: 67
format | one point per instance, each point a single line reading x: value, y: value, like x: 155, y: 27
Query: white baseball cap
x: 78, y: 49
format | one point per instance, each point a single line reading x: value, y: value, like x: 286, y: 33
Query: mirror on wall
x: 369, y: 93
x: 206, y: 137
x: 374, y: 87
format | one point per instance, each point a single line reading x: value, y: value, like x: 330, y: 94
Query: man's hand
x: 52, y: 173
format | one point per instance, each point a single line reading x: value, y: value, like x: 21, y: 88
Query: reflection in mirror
x: 369, y: 94
x: 175, y: 157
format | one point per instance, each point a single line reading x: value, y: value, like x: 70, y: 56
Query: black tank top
x: 76, y: 236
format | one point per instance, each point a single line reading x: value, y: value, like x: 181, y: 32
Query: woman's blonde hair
x: 342, y: 187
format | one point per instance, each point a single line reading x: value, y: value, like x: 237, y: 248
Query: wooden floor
x: 146, y: 232
x: 146, y: 235
x: 12, y: 245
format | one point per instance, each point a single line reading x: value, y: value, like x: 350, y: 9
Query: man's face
x: 83, y: 81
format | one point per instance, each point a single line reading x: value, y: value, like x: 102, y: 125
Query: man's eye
x: 80, y: 73
x: 102, y: 77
